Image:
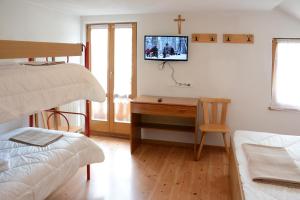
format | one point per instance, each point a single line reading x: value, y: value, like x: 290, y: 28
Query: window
x: 286, y: 74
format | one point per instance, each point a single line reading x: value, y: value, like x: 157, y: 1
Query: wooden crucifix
x: 179, y: 20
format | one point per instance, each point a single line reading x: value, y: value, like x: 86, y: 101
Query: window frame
x: 275, y: 105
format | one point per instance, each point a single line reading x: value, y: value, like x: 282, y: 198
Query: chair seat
x: 214, y: 128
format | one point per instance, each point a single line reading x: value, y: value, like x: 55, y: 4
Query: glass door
x: 113, y: 62
x: 99, y: 67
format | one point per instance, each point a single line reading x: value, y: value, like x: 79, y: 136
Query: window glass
x: 286, y: 74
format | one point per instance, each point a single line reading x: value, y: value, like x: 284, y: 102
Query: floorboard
x: 154, y: 172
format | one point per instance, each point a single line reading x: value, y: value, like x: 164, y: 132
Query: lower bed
x: 242, y: 185
x: 36, y: 172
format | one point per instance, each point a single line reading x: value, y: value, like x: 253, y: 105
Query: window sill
x: 274, y: 108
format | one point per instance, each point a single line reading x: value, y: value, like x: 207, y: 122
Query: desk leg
x: 135, y: 136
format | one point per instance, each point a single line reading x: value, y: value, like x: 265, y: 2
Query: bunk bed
x: 242, y: 185
x: 34, y: 172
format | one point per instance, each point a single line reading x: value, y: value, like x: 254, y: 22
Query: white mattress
x: 25, y: 90
x: 260, y: 191
x: 35, y: 172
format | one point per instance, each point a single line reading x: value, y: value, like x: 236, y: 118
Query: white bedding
x: 260, y: 191
x: 28, y: 89
x: 35, y: 172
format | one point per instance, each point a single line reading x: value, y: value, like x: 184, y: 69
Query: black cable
x: 162, y: 67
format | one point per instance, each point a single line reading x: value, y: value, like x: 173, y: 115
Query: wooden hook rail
x: 205, y: 37
x: 238, y: 38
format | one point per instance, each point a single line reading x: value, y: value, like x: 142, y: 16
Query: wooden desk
x: 170, y: 106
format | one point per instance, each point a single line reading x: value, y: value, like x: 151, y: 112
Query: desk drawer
x: 162, y: 109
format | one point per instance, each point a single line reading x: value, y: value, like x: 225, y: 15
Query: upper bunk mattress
x: 260, y: 191
x: 35, y: 172
x: 25, y: 90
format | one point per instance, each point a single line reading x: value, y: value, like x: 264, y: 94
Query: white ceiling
x: 106, y: 7
x: 291, y: 7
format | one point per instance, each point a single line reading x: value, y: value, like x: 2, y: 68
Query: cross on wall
x: 179, y: 20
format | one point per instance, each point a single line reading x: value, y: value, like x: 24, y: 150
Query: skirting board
x: 168, y: 143
x: 117, y: 135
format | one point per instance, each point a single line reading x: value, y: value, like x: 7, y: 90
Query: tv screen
x: 166, y: 48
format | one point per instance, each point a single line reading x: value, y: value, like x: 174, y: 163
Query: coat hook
x: 212, y: 39
x: 196, y: 38
x: 228, y: 39
x: 248, y: 38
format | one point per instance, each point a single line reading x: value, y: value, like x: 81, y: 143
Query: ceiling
x: 291, y: 7
x: 112, y: 7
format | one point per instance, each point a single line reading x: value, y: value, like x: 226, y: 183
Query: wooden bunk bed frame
x: 10, y: 49
x: 237, y: 192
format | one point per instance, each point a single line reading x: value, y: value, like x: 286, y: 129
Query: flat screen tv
x: 166, y: 48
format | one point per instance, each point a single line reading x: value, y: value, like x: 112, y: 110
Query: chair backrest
x: 214, y: 110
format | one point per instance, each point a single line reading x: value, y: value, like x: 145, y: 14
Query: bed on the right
x: 242, y: 185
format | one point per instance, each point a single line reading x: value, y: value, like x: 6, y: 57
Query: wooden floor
x: 154, y: 172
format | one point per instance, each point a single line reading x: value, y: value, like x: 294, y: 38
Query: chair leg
x: 225, y: 143
x: 201, y: 145
x: 195, y: 143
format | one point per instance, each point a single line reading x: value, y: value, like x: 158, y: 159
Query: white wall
x: 24, y: 21
x: 237, y: 71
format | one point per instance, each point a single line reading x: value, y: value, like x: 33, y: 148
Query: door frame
x: 111, y: 126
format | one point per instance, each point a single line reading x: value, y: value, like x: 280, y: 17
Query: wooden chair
x: 214, y: 114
